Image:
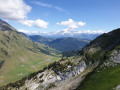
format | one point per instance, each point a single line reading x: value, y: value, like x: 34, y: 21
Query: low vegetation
x: 20, y: 56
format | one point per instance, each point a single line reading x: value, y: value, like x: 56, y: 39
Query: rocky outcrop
x: 44, y: 79
x: 115, y: 56
x: 118, y: 87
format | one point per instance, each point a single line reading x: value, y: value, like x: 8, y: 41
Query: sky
x: 55, y: 15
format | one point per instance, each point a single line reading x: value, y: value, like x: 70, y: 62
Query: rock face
x: 115, y: 56
x: 113, y: 59
x: 72, y: 72
x: 118, y: 87
x: 44, y: 79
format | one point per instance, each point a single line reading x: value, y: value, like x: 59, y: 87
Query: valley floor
x: 24, y: 70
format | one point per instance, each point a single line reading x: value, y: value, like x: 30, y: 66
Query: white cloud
x: 78, y: 32
x: 38, y: 23
x: 90, y: 32
x: 72, y: 24
x: 43, y: 4
x: 14, y: 9
x: 33, y: 32
x: 24, y: 31
x: 60, y: 9
x: 18, y: 10
x: 49, y: 6
x: 63, y: 32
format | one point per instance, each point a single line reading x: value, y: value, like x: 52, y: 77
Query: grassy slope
x: 61, y: 44
x: 102, y: 78
x: 68, y: 44
x: 21, y: 55
x: 105, y: 79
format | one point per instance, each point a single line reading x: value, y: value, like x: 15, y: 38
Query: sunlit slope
x: 20, y: 56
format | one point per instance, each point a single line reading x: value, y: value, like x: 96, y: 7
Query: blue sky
x: 96, y: 14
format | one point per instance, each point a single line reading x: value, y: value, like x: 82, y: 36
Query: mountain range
x: 61, y: 44
x: 96, y: 67
x: 86, y: 35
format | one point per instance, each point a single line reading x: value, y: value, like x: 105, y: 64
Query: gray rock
x: 118, y: 87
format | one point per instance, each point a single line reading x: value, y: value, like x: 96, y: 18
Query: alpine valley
x: 20, y: 56
x: 68, y: 46
x: 95, y: 67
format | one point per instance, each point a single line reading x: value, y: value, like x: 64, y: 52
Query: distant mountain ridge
x: 40, y: 39
x: 66, y: 44
x: 88, y: 35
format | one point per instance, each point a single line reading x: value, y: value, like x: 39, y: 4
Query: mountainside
x: 67, y: 44
x: 4, y: 26
x: 40, y: 39
x: 20, y: 56
x: 106, y: 74
x: 95, y: 68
